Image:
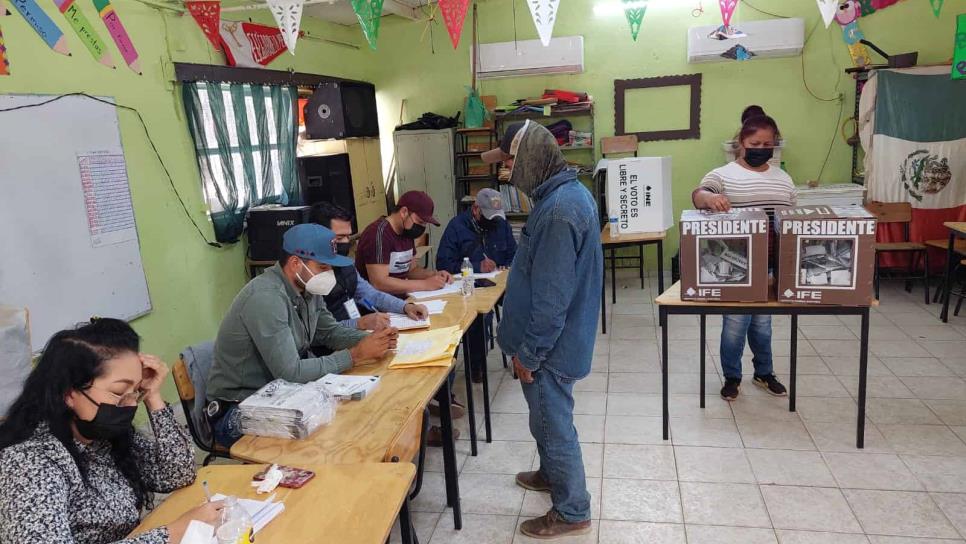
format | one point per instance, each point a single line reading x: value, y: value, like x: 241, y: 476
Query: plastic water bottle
x: 236, y: 525
x: 614, y: 232
x: 467, y: 273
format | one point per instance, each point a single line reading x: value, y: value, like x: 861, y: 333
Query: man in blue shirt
x: 549, y: 320
x: 483, y: 235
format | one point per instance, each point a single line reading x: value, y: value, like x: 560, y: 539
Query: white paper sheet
x: 451, y: 289
x: 487, y: 275
x: 435, y: 306
x: 404, y: 322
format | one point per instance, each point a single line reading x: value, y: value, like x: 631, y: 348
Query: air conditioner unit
x: 766, y: 39
x: 529, y: 57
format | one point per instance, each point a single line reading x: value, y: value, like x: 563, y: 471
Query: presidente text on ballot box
x: 724, y: 255
x: 826, y: 255
x: 639, y: 193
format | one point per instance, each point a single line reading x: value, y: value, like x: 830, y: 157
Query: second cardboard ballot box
x: 724, y: 256
x: 826, y: 255
x: 639, y: 194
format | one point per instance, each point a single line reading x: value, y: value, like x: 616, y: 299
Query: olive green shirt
x: 268, y: 333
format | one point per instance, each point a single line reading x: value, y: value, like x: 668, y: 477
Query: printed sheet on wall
x: 68, y: 235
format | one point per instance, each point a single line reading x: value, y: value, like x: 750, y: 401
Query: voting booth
x: 639, y: 194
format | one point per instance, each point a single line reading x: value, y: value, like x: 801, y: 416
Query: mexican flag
x: 913, y: 129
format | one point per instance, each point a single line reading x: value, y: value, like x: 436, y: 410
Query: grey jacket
x: 268, y: 333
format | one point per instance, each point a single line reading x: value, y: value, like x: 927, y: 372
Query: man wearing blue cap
x: 274, y: 323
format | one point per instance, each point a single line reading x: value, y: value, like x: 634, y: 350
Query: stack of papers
x: 486, y: 275
x: 348, y: 387
x: 261, y: 512
x: 282, y: 409
x: 454, y: 288
x: 404, y: 323
x: 430, y: 348
x: 842, y: 194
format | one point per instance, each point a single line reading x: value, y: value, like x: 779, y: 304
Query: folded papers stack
x: 282, y: 409
x: 431, y: 348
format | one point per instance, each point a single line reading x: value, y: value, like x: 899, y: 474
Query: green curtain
x: 245, y: 138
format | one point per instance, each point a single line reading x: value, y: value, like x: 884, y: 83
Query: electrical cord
x: 150, y: 141
x: 745, y: 2
x: 831, y: 141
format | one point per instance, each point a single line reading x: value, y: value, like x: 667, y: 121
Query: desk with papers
x: 348, y: 504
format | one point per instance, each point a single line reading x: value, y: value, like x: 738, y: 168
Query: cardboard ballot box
x: 826, y: 255
x: 639, y: 193
x: 724, y: 256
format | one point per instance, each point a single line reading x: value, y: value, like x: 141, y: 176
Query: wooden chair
x: 900, y: 212
x: 186, y: 391
x: 618, y: 144
x: 959, y: 248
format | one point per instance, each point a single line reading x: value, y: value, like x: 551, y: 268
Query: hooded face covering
x: 536, y: 159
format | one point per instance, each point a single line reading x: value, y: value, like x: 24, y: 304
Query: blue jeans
x: 735, y: 329
x: 227, y: 430
x: 551, y: 402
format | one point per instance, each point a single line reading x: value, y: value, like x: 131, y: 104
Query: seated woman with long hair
x: 72, y: 467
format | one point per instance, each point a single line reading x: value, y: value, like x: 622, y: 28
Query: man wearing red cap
x: 386, y: 255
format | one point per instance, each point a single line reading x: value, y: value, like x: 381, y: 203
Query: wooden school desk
x: 670, y: 303
x: 612, y: 244
x: 384, y: 427
x: 348, y: 504
x: 956, y: 230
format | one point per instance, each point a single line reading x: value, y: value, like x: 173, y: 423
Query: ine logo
x: 647, y: 196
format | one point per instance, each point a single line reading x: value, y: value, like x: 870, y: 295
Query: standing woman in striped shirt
x: 749, y: 181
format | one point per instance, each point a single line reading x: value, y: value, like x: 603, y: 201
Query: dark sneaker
x: 456, y: 409
x: 771, y: 384
x: 730, y: 390
x: 551, y: 525
x: 434, y: 438
x: 533, y: 481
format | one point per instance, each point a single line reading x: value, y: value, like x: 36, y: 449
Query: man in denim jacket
x: 550, y: 318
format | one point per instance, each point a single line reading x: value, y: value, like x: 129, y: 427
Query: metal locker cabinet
x: 424, y: 162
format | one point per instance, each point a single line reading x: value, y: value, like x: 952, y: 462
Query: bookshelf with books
x: 471, y: 173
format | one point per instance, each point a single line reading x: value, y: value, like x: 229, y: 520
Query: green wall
x: 435, y: 82
x: 190, y: 283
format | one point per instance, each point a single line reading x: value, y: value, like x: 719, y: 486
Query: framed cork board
x: 692, y: 82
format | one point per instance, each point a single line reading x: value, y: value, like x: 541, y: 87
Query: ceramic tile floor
x: 748, y: 472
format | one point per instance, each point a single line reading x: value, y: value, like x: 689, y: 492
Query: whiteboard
x: 68, y: 243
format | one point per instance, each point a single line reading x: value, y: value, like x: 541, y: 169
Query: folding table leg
x: 793, y: 364
x: 450, y: 472
x: 660, y: 267
x: 664, y: 376
x: 406, y: 529
x: 863, y: 374
x: 470, y: 409
x: 704, y: 349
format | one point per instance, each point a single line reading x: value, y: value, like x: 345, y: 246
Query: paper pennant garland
x: 828, y: 8
x: 118, y: 33
x: 635, y: 16
x: 868, y: 7
x: 4, y: 63
x: 738, y: 52
x: 727, y: 10
x: 959, y: 48
x: 454, y: 13
x: 369, y: 13
x: 250, y: 45
x: 85, y: 31
x: 43, y: 25
x: 544, y: 13
x: 207, y: 13
x: 288, y: 17
x: 937, y: 7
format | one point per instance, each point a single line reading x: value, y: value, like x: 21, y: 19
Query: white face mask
x: 319, y: 284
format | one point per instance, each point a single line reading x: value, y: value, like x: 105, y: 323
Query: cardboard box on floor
x: 724, y: 256
x: 639, y: 193
x: 825, y: 255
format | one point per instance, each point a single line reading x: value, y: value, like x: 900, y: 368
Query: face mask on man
x: 488, y: 224
x: 414, y: 231
x: 343, y: 248
x: 757, y: 156
x: 319, y: 284
x: 109, y: 422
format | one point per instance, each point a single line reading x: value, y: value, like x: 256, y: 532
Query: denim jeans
x: 551, y: 402
x: 227, y: 430
x: 735, y: 329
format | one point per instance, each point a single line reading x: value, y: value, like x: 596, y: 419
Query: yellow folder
x: 429, y: 348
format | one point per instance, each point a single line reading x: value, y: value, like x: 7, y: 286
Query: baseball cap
x: 502, y: 153
x: 420, y: 204
x: 312, y: 241
x: 490, y: 202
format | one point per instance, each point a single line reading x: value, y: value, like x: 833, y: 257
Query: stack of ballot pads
x: 283, y: 409
x: 430, y: 348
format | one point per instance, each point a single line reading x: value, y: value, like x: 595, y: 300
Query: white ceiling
x: 340, y: 11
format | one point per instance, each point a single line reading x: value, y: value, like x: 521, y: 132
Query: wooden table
x: 385, y: 426
x: 670, y: 303
x: 612, y: 244
x: 348, y: 504
x: 956, y: 230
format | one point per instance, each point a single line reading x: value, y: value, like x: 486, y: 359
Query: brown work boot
x: 551, y: 525
x: 533, y: 481
x: 434, y: 438
x: 456, y: 410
